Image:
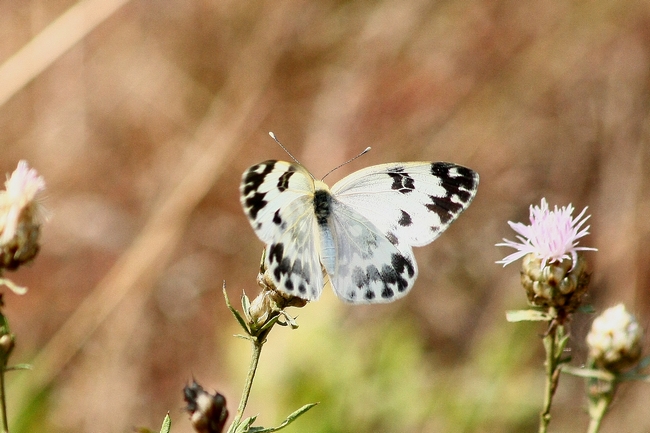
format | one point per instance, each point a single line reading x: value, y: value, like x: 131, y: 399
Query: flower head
x: 614, y: 340
x: 208, y: 412
x: 552, y: 235
x: 21, y: 189
x: 20, y: 216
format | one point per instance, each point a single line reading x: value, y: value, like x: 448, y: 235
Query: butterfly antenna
x: 284, y: 148
x: 366, y: 150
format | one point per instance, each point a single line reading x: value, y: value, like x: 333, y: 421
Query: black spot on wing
x: 405, y: 219
x: 283, y: 269
x: 278, y: 221
x: 392, y: 238
x: 283, y: 181
x: 446, y: 209
x: 253, y: 200
x: 279, y: 264
x: 255, y: 203
x: 391, y: 277
x: 459, y: 181
x: 255, y: 175
x: 387, y: 293
x: 460, y: 185
x: 403, y: 264
x: 402, y: 181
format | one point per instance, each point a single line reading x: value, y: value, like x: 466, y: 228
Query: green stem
x: 596, y: 414
x: 552, y: 375
x: 601, y: 394
x: 255, y: 357
x: 3, y: 400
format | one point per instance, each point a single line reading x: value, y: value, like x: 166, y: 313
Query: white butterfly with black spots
x: 360, y: 232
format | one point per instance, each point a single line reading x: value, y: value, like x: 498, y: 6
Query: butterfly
x: 358, y: 234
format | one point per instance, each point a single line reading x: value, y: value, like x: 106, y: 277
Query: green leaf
x: 527, y: 316
x: 561, y: 344
x: 234, y: 312
x: 246, y: 307
x: 166, y: 425
x: 269, y: 323
x: 20, y: 367
x: 245, y: 425
x: 291, y: 418
x: 589, y: 373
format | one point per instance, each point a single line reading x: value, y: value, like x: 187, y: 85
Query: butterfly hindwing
x: 277, y: 197
x: 362, y: 264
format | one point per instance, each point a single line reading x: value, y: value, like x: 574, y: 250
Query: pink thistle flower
x: 552, y: 236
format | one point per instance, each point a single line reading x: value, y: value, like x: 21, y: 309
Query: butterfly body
x: 360, y: 232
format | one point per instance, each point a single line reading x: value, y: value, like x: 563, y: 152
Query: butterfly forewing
x: 410, y: 203
x: 277, y: 197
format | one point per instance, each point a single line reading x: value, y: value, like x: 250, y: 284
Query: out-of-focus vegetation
x: 142, y: 115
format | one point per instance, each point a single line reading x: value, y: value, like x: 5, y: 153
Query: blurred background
x: 143, y: 114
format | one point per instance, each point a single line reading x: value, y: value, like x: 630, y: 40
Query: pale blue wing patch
x: 362, y: 264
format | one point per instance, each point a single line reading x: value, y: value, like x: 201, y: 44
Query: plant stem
x: 596, y: 414
x: 552, y: 375
x: 252, y: 369
x: 3, y: 400
x: 601, y: 394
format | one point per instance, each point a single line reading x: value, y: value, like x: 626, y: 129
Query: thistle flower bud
x: 208, y: 413
x: 20, y: 217
x: 559, y: 284
x: 614, y: 340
